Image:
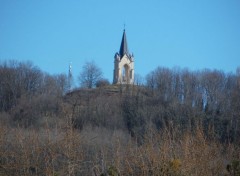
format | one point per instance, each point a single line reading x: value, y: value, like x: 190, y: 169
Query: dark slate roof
x: 123, y: 48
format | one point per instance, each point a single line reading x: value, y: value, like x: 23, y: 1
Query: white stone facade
x: 123, y: 69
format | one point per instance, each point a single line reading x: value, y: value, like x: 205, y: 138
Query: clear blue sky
x: 195, y: 34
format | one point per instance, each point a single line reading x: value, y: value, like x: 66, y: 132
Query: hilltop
x: 177, y: 123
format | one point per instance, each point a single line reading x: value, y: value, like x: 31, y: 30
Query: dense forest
x: 172, y: 122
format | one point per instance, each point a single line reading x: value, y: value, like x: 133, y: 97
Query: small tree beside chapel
x: 90, y: 75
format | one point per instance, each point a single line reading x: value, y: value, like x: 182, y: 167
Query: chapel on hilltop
x: 123, y: 64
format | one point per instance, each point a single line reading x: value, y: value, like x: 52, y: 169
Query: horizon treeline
x: 176, y: 97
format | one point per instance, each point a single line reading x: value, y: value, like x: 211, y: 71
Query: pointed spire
x: 123, y: 48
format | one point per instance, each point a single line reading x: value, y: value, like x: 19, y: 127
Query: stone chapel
x: 123, y: 64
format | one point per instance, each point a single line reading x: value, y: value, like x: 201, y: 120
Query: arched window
x: 125, y: 73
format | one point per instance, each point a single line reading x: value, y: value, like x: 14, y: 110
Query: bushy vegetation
x: 178, y: 123
x: 62, y: 150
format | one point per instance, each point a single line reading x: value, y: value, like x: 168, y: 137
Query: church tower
x: 123, y: 64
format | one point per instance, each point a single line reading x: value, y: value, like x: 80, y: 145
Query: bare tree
x: 90, y: 75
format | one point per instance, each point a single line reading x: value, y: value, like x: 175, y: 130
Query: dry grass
x: 64, y: 151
